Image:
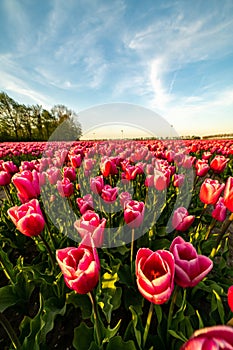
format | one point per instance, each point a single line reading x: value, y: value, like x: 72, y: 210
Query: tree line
x: 20, y: 122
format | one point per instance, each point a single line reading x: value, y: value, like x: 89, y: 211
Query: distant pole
x: 122, y: 134
x: 171, y: 132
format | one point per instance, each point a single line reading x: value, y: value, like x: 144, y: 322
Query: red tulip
x: 228, y: 194
x: 218, y: 164
x: 190, y: 268
x: 76, y: 161
x: 181, y: 220
x: 211, y: 338
x: 70, y: 173
x: 230, y: 297
x: 178, y: 180
x: 28, y: 218
x: 155, y: 274
x: 108, y: 167
x: 210, y: 191
x: 80, y: 266
x: 134, y: 213
x: 27, y: 184
x: 90, y: 223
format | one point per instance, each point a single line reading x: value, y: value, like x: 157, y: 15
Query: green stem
x: 96, y: 319
x: 172, y: 305
x: 210, y: 228
x: 8, y: 272
x: 148, y: 321
x: 52, y: 259
x: 8, y: 194
x: 131, y: 251
x: 221, y: 234
x: 9, y: 330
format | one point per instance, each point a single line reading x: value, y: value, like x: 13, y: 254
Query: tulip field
x: 120, y: 244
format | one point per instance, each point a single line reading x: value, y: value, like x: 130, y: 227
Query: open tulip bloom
x: 190, y: 267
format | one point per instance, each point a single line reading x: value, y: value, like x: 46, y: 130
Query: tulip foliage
x: 116, y: 245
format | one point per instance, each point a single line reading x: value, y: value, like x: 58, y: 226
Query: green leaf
x: 83, y: 336
x: 8, y: 297
x: 117, y: 343
x: 82, y: 301
x: 201, y: 325
x: 135, y: 320
x: 219, y: 306
x: 111, y: 332
x: 7, y: 266
x: 177, y: 335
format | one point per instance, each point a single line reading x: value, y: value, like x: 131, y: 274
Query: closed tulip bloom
x: 160, y: 180
x: 206, y: 155
x: 90, y: 223
x: 27, y: 184
x: 202, y: 167
x: 190, y: 268
x: 109, y: 194
x: 181, y: 220
x: 70, y: 173
x: 80, y: 266
x: 5, y: 178
x: 230, y: 297
x: 178, y: 180
x: 54, y: 175
x: 134, y: 213
x: 85, y: 203
x: 65, y: 187
x: 76, y: 160
x: 149, y: 181
x: 218, y: 164
x: 220, y: 210
x: 97, y: 184
x: 210, y: 191
x: 28, y: 218
x: 124, y: 197
x: 228, y: 194
x: 211, y: 338
x: 155, y: 274
x: 10, y: 167
x: 108, y: 167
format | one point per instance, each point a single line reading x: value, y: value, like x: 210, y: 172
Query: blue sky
x: 172, y: 57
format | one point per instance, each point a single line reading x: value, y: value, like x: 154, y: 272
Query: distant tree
x: 9, y: 115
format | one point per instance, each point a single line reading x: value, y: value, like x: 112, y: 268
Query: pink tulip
x: 28, y: 218
x: 70, y: 173
x: 80, y: 266
x: 5, y: 178
x: 178, y: 180
x: 124, y: 197
x: 97, y: 184
x: 161, y: 180
x: 54, y: 175
x: 210, y: 191
x: 202, y: 167
x: 190, y: 268
x: 181, y: 220
x: 220, y: 210
x: 10, y: 167
x: 109, y: 194
x: 90, y: 223
x: 134, y: 213
x: 155, y: 274
x: 85, y: 203
x: 27, y: 184
x: 65, y: 187
x: 211, y: 338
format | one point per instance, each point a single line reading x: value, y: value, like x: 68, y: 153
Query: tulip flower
x: 76, y: 160
x: 124, y: 197
x: 134, y: 213
x: 90, y: 223
x: 210, y: 191
x: 178, y: 180
x: 228, y: 194
x: 54, y: 175
x: 161, y: 180
x: 201, y: 167
x: 155, y: 274
x: 220, y: 210
x: 27, y: 184
x: 218, y: 163
x: 214, y: 338
x: 181, y: 220
x: 230, y: 297
x: 80, y: 266
x: 5, y: 178
x: 85, y: 203
x: 10, y: 167
x: 97, y: 184
x: 28, y: 218
x: 69, y: 173
x: 190, y: 268
x: 108, y: 167
x: 109, y: 194
x: 65, y: 187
